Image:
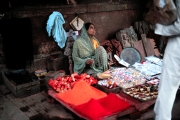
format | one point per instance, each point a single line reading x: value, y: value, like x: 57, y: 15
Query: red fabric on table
x: 113, y: 103
x: 92, y: 110
x: 81, y: 93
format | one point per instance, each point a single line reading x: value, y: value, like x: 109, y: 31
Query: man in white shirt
x: 170, y: 76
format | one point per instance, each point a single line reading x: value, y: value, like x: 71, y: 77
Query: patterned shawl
x: 82, y: 50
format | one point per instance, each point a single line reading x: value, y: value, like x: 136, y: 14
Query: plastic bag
x: 165, y: 11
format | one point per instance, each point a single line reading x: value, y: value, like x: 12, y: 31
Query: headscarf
x: 82, y: 51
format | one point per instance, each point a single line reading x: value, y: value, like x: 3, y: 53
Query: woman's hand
x: 89, y: 61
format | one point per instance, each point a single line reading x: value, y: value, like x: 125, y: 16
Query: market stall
x: 135, y: 88
x: 89, y: 102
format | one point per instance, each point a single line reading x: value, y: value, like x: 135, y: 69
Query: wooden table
x: 136, y: 105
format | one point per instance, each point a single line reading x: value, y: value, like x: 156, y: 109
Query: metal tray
x: 130, y: 55
x: 141, y: 92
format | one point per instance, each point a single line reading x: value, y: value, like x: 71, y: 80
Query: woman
x: 88, y: 56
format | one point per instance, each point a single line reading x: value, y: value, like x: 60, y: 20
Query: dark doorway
x: 17, y: 42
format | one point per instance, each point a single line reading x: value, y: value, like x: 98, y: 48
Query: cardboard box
x: 21, y: 90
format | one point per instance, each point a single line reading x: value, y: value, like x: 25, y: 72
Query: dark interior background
x: 28, y: 20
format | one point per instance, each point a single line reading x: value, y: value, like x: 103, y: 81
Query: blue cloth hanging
x: 55, y: 27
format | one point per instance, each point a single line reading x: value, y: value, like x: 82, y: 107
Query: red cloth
x: 92, y: 110
x: 113, y: 103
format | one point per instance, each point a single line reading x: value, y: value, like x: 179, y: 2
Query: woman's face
x: 91, y: 31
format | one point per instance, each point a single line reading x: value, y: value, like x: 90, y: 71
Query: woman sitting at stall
x: 88, y: 56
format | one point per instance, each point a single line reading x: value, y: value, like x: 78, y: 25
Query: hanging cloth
x: 55, y: 27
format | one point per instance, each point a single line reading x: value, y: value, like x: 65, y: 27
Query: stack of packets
x: 125, y: 78
x: 154, y: 81
x: 41, y: 72
x: 154, y: 60
x: 148, y: 69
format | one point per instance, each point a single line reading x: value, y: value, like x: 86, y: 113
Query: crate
x: 22, y: 90
x: 107, y: 90
x: 54, y: 64
x: 43, y: 84
x: 52, y: 74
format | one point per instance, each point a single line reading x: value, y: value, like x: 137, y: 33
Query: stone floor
x: 41, y: 106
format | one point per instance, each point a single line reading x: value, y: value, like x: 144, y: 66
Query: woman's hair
x: 87, y: 25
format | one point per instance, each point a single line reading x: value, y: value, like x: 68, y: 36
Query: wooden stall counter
x: 53, y: 93
x: 136, y: 105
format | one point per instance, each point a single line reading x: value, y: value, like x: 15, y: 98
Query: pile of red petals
x: 64, y: 83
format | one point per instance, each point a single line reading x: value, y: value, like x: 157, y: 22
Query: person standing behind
x: 88, y: 56
x: 170, y: 75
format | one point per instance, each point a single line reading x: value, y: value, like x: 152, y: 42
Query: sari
x: 83, y: 49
